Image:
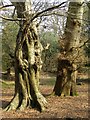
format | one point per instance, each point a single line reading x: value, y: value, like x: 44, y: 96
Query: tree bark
x: 89, y: 21
x: 27, y: 64
x: 67, y: 61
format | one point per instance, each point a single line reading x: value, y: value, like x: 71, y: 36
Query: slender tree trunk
x: 67, y: 67
x: 27, y: 64
x: 89, y: 21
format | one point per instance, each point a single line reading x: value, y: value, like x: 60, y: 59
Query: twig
x: 48, y: 9
x: 10, y: 19
x: 5, y: 6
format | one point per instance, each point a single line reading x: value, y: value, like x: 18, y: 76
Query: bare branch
x: 13, y: 12
x: 54, y: 13
x: 73, y: 48
x: 35, y: 16
x: 48, y: 9
x: 10, y: 19
x: 84, y: 44
x: 5, y: 6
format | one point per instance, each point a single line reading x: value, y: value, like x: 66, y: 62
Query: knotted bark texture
x: 27, y: 67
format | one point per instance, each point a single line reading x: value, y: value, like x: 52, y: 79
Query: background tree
x: 49, y: 55
x: 83, y: 63
x: 67, y: 61
x: 0, y: 48
x: 52, y: 29
x: 88, y: 31
x: 9, y: 34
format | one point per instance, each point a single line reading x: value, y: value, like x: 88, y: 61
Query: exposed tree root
x: 41, y: 102
x: 16, y: 104
x: 13, y: 104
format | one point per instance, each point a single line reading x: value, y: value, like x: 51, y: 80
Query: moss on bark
x: 66, y: 81
x: 27, y: 70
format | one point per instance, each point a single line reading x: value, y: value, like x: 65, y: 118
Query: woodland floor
x: 58, y: 107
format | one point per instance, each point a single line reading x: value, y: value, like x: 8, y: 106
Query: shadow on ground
x: 83, y: 81
x: 4, y: 104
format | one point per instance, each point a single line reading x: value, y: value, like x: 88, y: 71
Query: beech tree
x: 67, y: 61
x: 27, y: 62
x: 88, y: 47
x: 27, y: 58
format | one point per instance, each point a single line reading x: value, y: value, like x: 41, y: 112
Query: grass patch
x: 48, y: 81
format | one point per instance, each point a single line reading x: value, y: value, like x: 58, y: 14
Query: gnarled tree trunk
x: 27, y: 63
x: 67, y: 61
